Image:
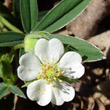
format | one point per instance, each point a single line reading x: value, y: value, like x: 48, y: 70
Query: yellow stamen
x: 58, y: 69
x: 42, y: 93
x: 47, y: 83
x: 39, y: 77
x: 63, y: 71
x: 60, y: 81
x: 54, y: 78
x: 58, y: 74
x: 49, y: 79
x: 53, y: 85
x: 38, y: 72
x: 44, y: 65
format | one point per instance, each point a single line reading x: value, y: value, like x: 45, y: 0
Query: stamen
x: 60, y: 80
x: 49, y: 79
x: 54, y: 78
x: 44, y: 65
x: 38, y: 72
x: 39, y: 77
x: 42, y: 92
x: 58, y: 74
x: 63, y: 71
x: 58, y: 69
x: 47, y: 83
x: 53, y: 85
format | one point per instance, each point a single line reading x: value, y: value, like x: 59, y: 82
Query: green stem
x: 15, y: 48
x: 9, y: 25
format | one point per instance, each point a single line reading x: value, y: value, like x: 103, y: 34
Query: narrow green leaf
x: 3, y: 90
x: 61, y: 15
x: 88, y: 51
x: 42, y: 14
x: 29, y: 13
x: 16, y: 8
x: 17, y: 91
x: 10, y: 38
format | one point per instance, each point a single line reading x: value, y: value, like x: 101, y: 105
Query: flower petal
x: 29, y: 67
x: 71, y: 63
x: 41, y: 48
x: 62, y: 92
x: 75, y: 72
x: 48, y: 50
x: 39, y: 91
x: 55, y: 49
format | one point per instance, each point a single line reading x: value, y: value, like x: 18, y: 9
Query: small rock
x: 87, y: 23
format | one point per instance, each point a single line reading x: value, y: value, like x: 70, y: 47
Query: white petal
x: 41, y: 49
x: 47, y: 50
x: 56, y: 96
x: 76, y: 72
x: 70, y: 58
x: 71, y: 63
x: 29, y: 67
x: 67, y: 92
x: 62, y: 92
x: 40, y: 92
x: 55, y: 49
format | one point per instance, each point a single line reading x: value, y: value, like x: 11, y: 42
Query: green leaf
x: 11, y: 39
x: 88, y: 51
x: 3, y: 90
x: 17, y: 91
x: 16, y: 8
x: 42, y: 14
x: 61, y: 15
x: 29, y: 13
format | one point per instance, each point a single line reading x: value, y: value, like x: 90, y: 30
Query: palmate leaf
x: 61, y: 15
x: 88, y: 51
x: 29, y: 13
x: 11, y: 39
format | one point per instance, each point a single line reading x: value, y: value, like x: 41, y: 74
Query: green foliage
x: 28, y: 14
x: 88, y: 51
x: 3, y: 90
x: 36, y: 26
x: 17, y: 91
x: 61, y: 15
x: 10, y: 39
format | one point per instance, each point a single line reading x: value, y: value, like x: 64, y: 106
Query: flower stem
x: 14, y: 49
x: 9, y: 25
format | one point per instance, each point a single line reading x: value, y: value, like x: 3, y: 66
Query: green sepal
x: 26, y: 84
x: 31, y: 39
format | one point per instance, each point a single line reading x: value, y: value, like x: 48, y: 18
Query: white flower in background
x: 45, y: 68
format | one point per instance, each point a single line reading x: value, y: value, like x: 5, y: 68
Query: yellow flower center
x: 50, y: 71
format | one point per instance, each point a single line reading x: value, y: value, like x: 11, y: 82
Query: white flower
x: 44, y: 69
